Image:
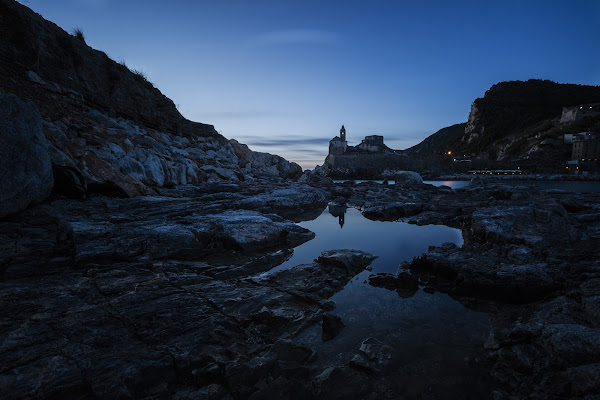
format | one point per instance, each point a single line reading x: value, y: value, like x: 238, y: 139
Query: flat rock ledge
x: 160, y: 330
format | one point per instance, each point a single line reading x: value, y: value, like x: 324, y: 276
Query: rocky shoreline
x: 134, y: 245
x: 160, y: 296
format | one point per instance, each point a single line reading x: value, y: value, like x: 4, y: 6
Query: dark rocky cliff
x: 516, y: 108
x: 109, y: 129
x: 78, y: 75
x: 516, y: 124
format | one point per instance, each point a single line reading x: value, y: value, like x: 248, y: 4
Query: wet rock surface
x: 373, y: 356
x: 158, y: 296
x: 530, y: 260
x: 162, y: 296
x: 146, y: 320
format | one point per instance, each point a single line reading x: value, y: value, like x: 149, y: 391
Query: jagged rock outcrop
x: 25, y: 168
x: 474, y: 126
x: 316, y: 176
x: 107, y: 127
x: 138, y: 159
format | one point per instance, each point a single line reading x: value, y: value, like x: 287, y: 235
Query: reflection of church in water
x: 338, y: 211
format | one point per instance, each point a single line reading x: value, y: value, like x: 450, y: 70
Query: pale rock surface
x: 147, y: 159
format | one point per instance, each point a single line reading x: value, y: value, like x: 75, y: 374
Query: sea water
x: 437, y: 342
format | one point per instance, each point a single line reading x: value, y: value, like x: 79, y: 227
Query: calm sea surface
x: 437, y: 342
x: 569, y: 186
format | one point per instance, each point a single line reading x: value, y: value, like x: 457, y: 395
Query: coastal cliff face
x: 473, y: 125
x: 513, y: 108
x: 519, y: 121
x: 109, y: 129
x: 516, y: 124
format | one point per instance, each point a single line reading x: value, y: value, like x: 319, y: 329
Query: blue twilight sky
x: 283, y: 75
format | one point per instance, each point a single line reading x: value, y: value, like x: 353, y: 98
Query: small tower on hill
x: 338, y: 144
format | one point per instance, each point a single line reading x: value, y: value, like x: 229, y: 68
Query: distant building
x: 586, y: 150
x: 572, y: 114
x: 585, y: 155
x: 339, y: 145
x: 574, y: 137
x: 373, y: 143
x: 365, y: 160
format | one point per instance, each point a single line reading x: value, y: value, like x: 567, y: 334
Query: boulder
x: 407, y: 177
x: 102, y: 175
x: 538, y: 226
x: 290, y: 202
x: 26, y: 171
x: 183, y: 236
x: 353, y: 261
x: 391, y: 210
x: 373, y: 356
x: 316, y: 176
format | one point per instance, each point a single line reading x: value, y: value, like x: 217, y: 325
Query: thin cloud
x: 295, y: 36
x: 319, y: 153
x: 243, y: 114
x: 284, y: 142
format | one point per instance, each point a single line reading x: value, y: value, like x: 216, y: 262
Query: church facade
x: 366, y: 160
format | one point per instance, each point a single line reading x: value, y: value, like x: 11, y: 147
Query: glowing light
x: 449, y: 153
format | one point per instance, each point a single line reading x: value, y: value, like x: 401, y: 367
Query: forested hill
x: 439, y: 142
x: 517, y: 123
x: 516, y: 108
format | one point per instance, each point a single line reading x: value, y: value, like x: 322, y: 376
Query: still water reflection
x: 437, y: 343
x: 391, y: 242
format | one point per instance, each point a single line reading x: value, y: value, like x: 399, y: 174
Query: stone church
x: 366, y: 160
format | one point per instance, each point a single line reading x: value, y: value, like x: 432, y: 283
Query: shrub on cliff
x: 78, y: 33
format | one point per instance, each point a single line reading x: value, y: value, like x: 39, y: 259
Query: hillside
x: 517, y: 107
x: 516, y: 124
x: 108, y: 128
x: 438, y: 142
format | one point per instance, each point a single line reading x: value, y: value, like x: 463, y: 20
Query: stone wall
x: 337, y: 146
x: 363, y: 166
x: 572, y: 114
